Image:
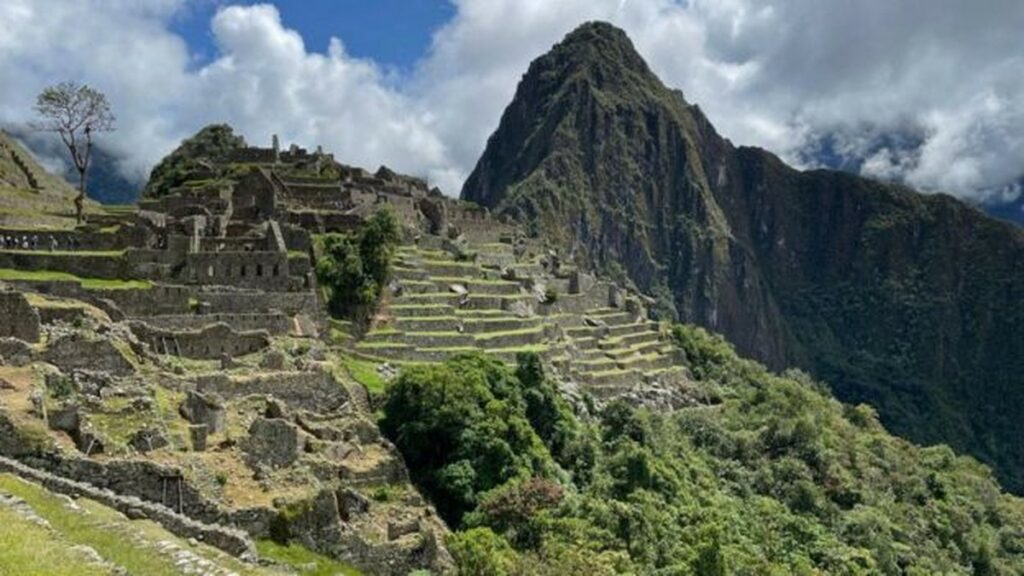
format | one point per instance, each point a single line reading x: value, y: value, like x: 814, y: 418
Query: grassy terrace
x: 129, y: 544
x: 82, y: 253
x: 87, y: 283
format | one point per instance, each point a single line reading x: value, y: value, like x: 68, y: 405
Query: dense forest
x: 764, y: 474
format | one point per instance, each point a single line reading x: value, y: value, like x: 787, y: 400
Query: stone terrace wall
x: 230, y: 540
x: 18, y: 319
x: 159, y: 299
x: 207, y: 343
x: 110, y: 267
x: 275, y: 323
x: 315, y: 390
x: 290, y: 303
x: 124, y: 237
x: 324, y: 222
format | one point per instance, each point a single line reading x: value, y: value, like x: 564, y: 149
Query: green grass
x: 303, y: 561
x: 374, y: 345
x: 27, y: 549
x: 492, y: 335
x: 87, y: 283
x: 126, y: 543
x: 478, y: 281
x: 82, y: 253
x: 365, y: 373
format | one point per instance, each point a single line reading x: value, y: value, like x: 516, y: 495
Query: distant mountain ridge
x: 910, y: 302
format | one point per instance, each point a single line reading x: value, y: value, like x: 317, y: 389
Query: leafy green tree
x: 463, y: 431
x: 481, y: 552
x: 355, y: 267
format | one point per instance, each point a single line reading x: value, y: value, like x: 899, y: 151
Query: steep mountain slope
x: 29, y: 195
x: 906, y: 301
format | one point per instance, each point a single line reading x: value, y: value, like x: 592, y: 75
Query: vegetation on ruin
x: 193, y: 156
x: 766, y: 474
x: 353, y: 268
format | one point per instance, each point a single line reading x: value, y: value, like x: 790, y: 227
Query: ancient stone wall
x: 314, y: 390
x: 69, y: 240
x: 274, y: 323
x: 18, y: 319
x: 290, y: 303
x: 254, y: 197
x: 258, y: 270
x: 85, y: 265
x: 207, y: 343
x: 230, y: 540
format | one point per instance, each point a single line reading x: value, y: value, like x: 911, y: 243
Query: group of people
x: 32, y: 242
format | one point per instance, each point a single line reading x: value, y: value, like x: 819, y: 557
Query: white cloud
x: 783, y: 74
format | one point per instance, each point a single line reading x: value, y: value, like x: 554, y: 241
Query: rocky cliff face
x: 906, y: 301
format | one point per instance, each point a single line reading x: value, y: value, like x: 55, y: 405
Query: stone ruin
x: 204, y: 333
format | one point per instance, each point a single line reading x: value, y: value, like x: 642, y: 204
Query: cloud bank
x: 929, y: 92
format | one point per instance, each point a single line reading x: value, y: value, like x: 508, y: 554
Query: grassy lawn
x: 27, y: 549
x: 87, y: 283
x: 126, y: 543
x: 364, y: 372
x: 305, y: 562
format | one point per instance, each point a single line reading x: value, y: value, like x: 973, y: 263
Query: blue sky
x: 393, y: 33
x: 926, y: 92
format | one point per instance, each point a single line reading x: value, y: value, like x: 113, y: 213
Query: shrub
x: 355, y: 267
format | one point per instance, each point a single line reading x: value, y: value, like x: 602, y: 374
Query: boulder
x: 272, y: 442
x: 14, y: 352
x: 77, y: 351
x: 273, y: 359
x: 18, y: 319
x: 204, y: 409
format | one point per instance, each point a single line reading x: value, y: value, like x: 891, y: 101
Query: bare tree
x: 75, y: 112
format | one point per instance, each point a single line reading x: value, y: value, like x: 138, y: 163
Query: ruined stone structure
x: 192, y: 332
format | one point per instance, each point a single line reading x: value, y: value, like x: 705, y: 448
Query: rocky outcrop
x: 79, y: 351
x: 273, y: 442
x: 18, y: 319
x: 906, y: 301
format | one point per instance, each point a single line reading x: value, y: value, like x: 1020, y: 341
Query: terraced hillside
x: 31, y: 197
x: 442, y: 303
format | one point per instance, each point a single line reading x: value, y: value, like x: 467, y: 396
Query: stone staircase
x: 439, y: 306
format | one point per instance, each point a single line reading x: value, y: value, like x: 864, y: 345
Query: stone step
x: 411, y: 309
x: 451, y: 268
x: 479, y: 286
x: 450, y: 339
x: 508, y: 355
x: 613, y: 318
x: 512, y: 338
x: 499, y: 324
x: 592, y: 365
x: 427, y: 324
x: 647, y: 362
x: 629, y: 340
x: 407, y: 273
x: 639, y: 349
x: 419, y: 286
x: 635, y: 328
